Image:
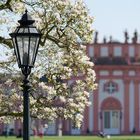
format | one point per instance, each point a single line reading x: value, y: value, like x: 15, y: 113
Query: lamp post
x: 26, y: 39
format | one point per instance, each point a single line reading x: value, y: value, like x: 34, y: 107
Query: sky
x: 113, y: 17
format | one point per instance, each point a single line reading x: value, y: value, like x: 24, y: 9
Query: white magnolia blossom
x: 65, y: 26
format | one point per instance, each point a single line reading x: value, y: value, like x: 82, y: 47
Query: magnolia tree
x: 63, y: 75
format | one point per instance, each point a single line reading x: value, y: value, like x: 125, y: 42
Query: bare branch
x: 7, y: 42
x: 15, y: 114
x: 7, y: 5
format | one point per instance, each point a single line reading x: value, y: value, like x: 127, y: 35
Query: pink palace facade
x: 115, y: 105
x: 116, y: 102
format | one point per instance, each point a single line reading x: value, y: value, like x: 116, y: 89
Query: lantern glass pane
x: 16, y: 51
x: 33, y: 49
x: 21, y: 30
x: 36, y: 50
x: 26, y: 30
x: 20, y: 48
x: 23, y: 44
x: 33, y: 30
x: 26, y: 51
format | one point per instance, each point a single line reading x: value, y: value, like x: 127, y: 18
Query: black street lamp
x: 26, y: 39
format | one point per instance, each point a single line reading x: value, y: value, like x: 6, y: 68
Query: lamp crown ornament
x: 26, y: 19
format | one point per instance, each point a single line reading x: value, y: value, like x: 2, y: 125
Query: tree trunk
x: 59, y: 127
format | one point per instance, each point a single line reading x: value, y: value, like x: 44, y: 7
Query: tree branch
x: 7, y: 5
x: 7, y: 42
x: 16, y: 114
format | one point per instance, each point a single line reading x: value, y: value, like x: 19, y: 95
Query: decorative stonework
x: 110, y: 87
x: 111, y: 104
